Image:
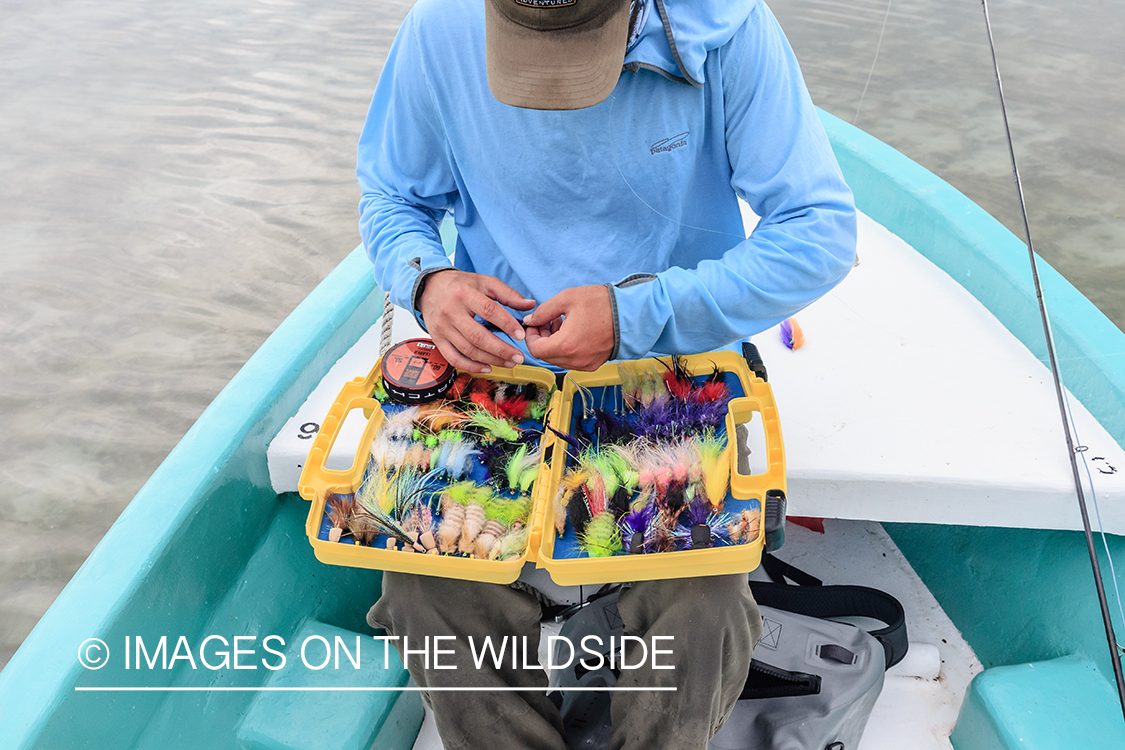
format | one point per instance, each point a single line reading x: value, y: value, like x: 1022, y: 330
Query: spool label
x: 415, y: 370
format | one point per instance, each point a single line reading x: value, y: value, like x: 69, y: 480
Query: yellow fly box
x: 752, y: 397
x: 570, y: 411
x: 317, y: 483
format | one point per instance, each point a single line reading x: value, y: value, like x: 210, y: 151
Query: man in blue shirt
x: 592, y: 153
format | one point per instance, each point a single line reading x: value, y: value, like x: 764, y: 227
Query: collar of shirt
x: 638, y: 14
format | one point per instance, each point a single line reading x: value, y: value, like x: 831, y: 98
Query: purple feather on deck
x: 791, y: 334
x: 786, y: 331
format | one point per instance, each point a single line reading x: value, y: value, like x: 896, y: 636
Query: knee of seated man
x: 407, y: 594
x: 723, y: 602
x: 409, y: 602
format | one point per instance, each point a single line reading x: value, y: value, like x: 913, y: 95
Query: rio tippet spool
x: 414, y: 371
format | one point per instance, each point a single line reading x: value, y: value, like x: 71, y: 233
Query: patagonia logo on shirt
x: 669, y: 144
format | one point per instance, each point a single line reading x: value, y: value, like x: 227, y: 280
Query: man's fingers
x: 459, y: 350
x: 545, y: 329
x: 553, y: 308
x: 556, y: 347
x: 459, y: 360
x: 534, y: 333
x: 505, y: 295
x: 467, y: 343
x: 491, y: 348
x: 494, y: 313
x: 573, y: 329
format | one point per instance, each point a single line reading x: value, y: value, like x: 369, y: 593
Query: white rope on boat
x: 388, y: 318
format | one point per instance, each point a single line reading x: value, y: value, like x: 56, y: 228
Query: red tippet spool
x: 414, y: 371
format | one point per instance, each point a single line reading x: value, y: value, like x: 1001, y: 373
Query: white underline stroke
x: 370, y: 689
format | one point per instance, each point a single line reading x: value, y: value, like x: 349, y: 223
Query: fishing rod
x: 1114, y: 647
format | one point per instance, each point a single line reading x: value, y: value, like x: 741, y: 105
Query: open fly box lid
x: 751, y: 397
x: 317, y: 483
x: 560, y: 557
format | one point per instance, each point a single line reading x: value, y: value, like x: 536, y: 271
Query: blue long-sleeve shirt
x: 638, y: 191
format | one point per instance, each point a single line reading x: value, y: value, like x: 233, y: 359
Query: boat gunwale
x: 936, y: 219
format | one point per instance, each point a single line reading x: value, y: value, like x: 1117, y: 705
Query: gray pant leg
x: 716, y: 624
x: 419, y: 606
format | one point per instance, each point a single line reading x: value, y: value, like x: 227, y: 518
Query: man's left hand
x: 573, y: 329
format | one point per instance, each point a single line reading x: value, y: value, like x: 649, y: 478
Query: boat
x: 942, y: 476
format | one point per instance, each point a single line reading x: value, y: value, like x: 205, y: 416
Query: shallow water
x: 933, y: 96
x: 178, y: 176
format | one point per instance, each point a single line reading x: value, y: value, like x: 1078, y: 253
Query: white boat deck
x: 909, y: 402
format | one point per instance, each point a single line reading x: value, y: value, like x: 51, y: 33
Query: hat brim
x: 566, y: 69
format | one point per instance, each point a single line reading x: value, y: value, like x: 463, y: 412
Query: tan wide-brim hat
x: 553, y: 54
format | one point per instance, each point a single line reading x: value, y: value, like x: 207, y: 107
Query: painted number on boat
x: 307, y: 430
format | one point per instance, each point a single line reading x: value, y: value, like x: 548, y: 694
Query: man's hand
x: 573, y: 329
x: 449, y: 302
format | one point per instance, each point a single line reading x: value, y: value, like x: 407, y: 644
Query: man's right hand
x: 449, y: 302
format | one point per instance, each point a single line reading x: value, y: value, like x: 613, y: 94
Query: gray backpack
x: 812, y: 682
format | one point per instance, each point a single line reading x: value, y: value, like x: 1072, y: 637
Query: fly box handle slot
x: 741, y: 411
x: 315, y: 471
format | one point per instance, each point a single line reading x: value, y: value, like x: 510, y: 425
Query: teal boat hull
x: 207, y: 547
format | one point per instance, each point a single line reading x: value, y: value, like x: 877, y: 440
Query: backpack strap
x: 840, y: 601
x: 778, y: 570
